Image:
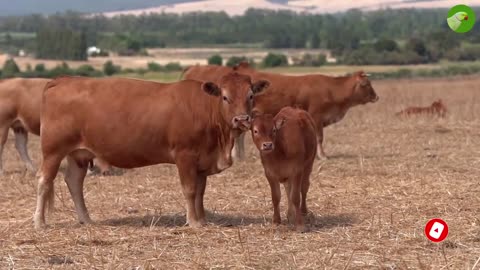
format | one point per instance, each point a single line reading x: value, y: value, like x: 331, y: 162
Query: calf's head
x: 363, y: 91
x: 264, y: 131
x: 235, y: 93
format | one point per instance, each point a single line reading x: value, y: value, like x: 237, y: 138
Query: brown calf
x: 287, y: 145
x: 437, y: 108
x: 132, y: 123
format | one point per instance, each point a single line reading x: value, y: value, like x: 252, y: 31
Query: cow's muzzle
x: 375, y: 98
x: 267, y: 146
x: 242, y: 122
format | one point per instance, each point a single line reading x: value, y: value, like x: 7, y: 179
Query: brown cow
x: 20, y: 104
x: 326, y: 98
x: 288, y: 146
x: 436, y: 108
x: 132, y: 123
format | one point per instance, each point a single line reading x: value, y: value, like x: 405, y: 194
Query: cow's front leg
x: 187, y: 171
x: 200, y: 210
x: 320, y: 153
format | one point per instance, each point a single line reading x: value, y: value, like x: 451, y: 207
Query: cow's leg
x: 290, y: 207
x: 305, y: 188
x: 200, y: 210
x: 74, y: 177
x: 3, y: 140
x: 188, y: 177
x: 45, y: 193
x: 21, y: 141
x: 276, y: 196
x: 239, y: 147
x: 320, y: 152
x: 295, y: 194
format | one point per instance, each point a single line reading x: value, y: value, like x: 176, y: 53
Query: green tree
x: 215, y: 60
x: 384, y: 44
x: 234, y: 60
x: 10, y: 69
x: 109, y: 68
x: 155, y: 67
x: 275, y: 60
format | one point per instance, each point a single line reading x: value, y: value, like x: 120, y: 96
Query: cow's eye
x: 225, y: 98
x: 255, y: 131
x: 250, y: 97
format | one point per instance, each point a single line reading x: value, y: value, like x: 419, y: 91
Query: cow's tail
x: 183, y: 72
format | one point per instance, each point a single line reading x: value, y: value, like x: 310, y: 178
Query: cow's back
x: 128, y: 122
x: 210, y: 73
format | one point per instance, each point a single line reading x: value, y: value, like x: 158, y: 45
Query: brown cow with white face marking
x: 20, y: 104
x: 326, y: 98
x: 132, y: 123
x: 287, y: 145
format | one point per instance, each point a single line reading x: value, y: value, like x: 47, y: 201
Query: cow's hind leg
x: 290, y: 207
x: 45, y: 191
x: 3, y: 140
x: 74, y: 177
x: 199, y: 208
x: 21, y: 140
x: 320, y: 152
x: 295, y: 197
x: 305, y: 187
x: 239, y: 147
x: 188, y: 177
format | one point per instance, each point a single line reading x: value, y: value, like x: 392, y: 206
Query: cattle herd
x: 194, y: 123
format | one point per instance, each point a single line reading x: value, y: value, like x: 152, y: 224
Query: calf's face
x: 236, y: 93
x: 363, y: 91
x: 264, y: 132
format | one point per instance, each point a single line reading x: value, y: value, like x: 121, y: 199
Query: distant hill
x: 232, y: 7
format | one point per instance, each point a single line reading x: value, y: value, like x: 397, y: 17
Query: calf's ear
x: 211, y: 89
x: 259, y: 86
x: 279, y: 123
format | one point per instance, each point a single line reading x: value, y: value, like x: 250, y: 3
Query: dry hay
x: 386, y: 177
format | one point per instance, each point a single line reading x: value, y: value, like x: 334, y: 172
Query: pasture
x: 369, y: 202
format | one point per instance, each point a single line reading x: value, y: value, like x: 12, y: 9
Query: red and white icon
x: 436, y: 230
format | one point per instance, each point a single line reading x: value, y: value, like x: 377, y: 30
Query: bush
x: 215, y: 60
x: 275, y: 60
x: 235, y: 60
x: 310, y: 60
x: 10, y: 69
x: 40, y: 68
x: 102, y: 53
x: 88, y: 71
x: 385, y: 45
x: 59, y: 70
x: 173, y: 67
x: 109, y: 68
x: 465, y: 54
x: 155, y: 67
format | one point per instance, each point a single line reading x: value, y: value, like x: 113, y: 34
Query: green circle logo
x: 461, y: 18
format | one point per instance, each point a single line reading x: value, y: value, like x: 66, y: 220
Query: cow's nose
x: 242, y: 122
x: 267, y: 146
x: 376, y: 98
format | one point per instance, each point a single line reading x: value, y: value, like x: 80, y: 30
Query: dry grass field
x: 386, y: 177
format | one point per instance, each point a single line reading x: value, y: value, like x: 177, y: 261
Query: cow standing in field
x: 20, y: 105
x: 132, y: 123
x: 326, y: 98
x: 287, y: 145
x: 437, y: 108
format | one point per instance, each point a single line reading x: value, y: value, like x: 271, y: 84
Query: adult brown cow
x: 20, y: 104
x: 132, y: 123
x: 326, y: 98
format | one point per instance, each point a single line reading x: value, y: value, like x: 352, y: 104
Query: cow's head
x: 264, y: 131
x: 363, y: 91
x: 235, y: 92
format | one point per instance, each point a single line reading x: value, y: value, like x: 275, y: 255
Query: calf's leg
x: 276, y: 196
x: 305, y: 187
x: 74, y: 177
x: 290, y: 207
x: 3, y: 140
x: 295, y: 194
x: 21, y: 140
x: 320, y: 152
x: 201, y: 185
x: 45, y: 191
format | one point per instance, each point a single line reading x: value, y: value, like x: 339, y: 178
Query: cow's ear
x: 279, y: 123
x: 259, y: 86
x: 211, y: 89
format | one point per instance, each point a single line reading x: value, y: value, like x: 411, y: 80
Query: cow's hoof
x: 40, y: 226
x: 195, y: 224
x: 301, y: 229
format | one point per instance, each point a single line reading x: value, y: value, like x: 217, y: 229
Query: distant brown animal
x: 20, y: 105
x: 437, y: 108
x: 133, y: 123
x: 326, y: 98
x: 288, y: 146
